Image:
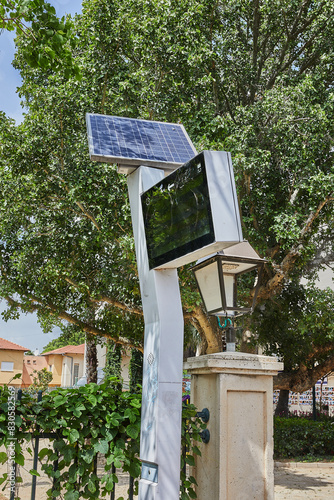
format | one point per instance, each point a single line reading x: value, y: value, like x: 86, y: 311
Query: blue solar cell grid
x: 115, y: 138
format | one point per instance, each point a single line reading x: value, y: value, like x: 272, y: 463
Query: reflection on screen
x: 177, y: 214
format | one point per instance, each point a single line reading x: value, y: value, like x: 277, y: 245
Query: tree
x: 254, y: 78
x: 49, y: 40
x: 91, y: 359
x: 41, y: 380
x: 113, y: 366
x: 300, y: 320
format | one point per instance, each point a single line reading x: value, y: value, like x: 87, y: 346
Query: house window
x: 7, y: 366
x: 50, y: 368
x: 76, y: 373
x: 34, y: 362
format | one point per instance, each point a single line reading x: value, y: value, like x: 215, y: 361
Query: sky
x: 24, y: 331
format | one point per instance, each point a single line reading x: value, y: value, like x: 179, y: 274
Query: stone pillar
x: 237, y: 389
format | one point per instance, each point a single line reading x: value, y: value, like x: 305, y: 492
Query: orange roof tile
x: 68, y: 349
x: 6, y: 344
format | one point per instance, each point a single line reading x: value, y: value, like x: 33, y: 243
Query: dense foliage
x: 302, y: 321
x: 303, y: 439
x: 49, y: 40
x: 86, y: 422
x: 253, y: 78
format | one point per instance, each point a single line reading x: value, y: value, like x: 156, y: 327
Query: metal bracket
x: 204, y: 415
x: 205, y: 436
x: 149, y: 471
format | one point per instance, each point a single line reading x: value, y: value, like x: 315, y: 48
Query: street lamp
x: 217, y: 278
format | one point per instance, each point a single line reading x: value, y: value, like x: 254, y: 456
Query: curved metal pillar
x: 160, y: 444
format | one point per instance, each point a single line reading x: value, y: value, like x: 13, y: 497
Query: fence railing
x: 34, y: 479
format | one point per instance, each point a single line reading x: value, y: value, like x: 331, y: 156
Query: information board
x: 192, y: 212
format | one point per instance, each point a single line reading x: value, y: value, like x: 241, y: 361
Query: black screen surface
x: 177, y: 214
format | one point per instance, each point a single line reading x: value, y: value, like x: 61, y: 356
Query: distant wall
x: 11, y: 363
x: 68, y: 362
x: 303, y: 402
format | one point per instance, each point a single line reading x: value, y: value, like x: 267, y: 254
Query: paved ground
x: 292, y: 482
x: 304, y: 481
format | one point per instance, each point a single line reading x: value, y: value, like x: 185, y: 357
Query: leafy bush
x: 299, y: 437
x: 85, y: 421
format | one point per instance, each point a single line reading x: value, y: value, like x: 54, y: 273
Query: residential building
x: 30, y: 365
x: 66, y: 364
x: 11, y: 362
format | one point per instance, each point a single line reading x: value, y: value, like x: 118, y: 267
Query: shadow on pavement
x: 298, y: 480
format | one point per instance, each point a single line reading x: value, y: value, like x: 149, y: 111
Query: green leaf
x: 19, y: 459
x: 133, y: 431
x: 102, y: 446
x: 59, y: 400
x: 192, y: 493
x: 131, y: 415
x: 34, y: 472
x: 190, y: 460
x: 73, y: 435
x: 92, y: 399
x: 109, y: 482
x: 71, y: 495
x: 88, y: 455
x: 44, y: 452
x: 3, y: 478
x: 91, y: 486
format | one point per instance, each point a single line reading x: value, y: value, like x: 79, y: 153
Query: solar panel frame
x: 131, y: 142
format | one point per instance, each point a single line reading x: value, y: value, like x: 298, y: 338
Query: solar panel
x: 130, y: 142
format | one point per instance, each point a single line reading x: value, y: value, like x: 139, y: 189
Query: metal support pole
x: 163, y: 360
x: 35, y: 464
x: 314, y: 406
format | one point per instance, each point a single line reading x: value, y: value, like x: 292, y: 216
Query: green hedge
x: 85, y: 421
x: 298, y: 437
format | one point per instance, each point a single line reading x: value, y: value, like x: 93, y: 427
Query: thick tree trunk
x: 282, y: 408
x: 91, y: 359
x: 207, y: 327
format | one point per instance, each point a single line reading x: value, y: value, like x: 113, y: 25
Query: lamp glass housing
x: 208, y: 279
x: 217, y: 279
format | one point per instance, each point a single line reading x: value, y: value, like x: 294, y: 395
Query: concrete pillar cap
x: 234, y: 362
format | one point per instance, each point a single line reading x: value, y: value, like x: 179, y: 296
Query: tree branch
x: 283, y: 270
x: 37, y: 305
x: 108, y: 300
x: 303, y: 379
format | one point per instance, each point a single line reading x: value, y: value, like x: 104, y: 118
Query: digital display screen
x: 177, y: 214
